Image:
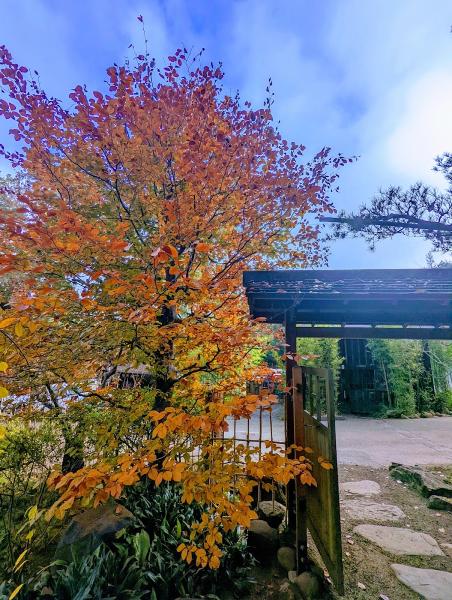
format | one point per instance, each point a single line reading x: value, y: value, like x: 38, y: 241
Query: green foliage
x: 414, y: 375
x: 322, y: 352
x: 398, y: 365
x: 27, y: 452
x: 143, y: 562
x: 160, y: 512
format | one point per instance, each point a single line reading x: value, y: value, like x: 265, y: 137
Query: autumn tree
x: 143, y: 205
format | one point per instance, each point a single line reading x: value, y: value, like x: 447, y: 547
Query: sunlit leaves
x: 127, y: 324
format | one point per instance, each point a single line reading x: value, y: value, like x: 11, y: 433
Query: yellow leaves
x: 3, y: 392
x: 203, y: 557
x: 160, y: 430
x: 88, y: 304
x: 20, y: 561
x: 7, y: 322
x: 30, y: 535
x: 68, y: 245
x: 67, y: 504
x: 16, y: 591
x: 32, y: 513
x: 324, y: 463
x: 214, y: 562
x: 307, y: 478
x: 19, y: 329
x: 3, y: 366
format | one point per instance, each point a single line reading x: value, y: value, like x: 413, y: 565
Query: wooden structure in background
x: 383, y: 303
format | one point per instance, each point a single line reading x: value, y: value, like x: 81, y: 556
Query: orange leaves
x: 307, y: 478
x: 325, y: 463
x: 202, y: 247
x: 139, y: 268
x: 4, y: 323
x: 164, y: 253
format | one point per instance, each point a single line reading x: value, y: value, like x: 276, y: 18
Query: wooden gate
x: 317, y: 508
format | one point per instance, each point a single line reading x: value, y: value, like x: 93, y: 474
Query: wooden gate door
x: 317, y: 508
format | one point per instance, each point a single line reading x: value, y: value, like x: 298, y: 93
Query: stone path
x: 362, y: 488
x: 431, y: 584
x: 400, y: 541
x: 369, y: 510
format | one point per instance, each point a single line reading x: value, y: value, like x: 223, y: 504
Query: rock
x: 369, y: 510
x: 429, y: 583
x: 89, y: 529
x: 425, y: 482
x: 440, y: 503
x: 308, y: 584
x: 400, y: 541
x: 362, y: 488
x: 272, y: 512
x: 287, y: 558
x: 447, y: 548
x: 262, y: 540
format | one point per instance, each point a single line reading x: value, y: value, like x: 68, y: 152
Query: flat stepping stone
x: 369, y: 510
x: 361, y: 488
x: 400, y: 541
x: 429, y: 583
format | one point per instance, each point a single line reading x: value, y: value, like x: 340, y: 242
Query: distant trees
x: 420, y: 210
x: 414, y: 373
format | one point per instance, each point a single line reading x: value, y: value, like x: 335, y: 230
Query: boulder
x: 272, y: 512
x: 440, y: 503
x: 287, y: 558
x: 90, y: 528
x: 430, y: 584
x: 262, y: 541
x: 426, y: 482
x: 308, y: 585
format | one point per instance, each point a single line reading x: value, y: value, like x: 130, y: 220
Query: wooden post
x: 291, y: 348
x: 301, y: 530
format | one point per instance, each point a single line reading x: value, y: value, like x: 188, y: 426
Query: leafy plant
x: 144, y: 561
x: 26, y: 455
x: 167, y: 520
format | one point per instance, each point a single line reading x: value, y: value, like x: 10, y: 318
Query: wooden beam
x: 291, y: 349
x: 395, y: 333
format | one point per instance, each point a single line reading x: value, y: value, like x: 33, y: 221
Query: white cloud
x: 424, y: 129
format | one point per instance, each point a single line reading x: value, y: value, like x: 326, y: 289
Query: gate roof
x: 405, y: 298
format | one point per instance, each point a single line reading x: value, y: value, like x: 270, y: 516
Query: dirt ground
x: 364, y: 562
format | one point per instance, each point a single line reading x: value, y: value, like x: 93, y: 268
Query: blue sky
x: 368, y: 77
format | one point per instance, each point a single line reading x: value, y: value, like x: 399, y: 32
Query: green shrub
x: 27, y: 453
x: 143, y: 562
